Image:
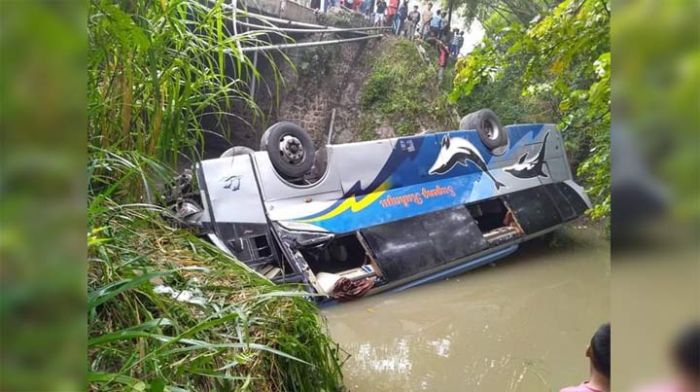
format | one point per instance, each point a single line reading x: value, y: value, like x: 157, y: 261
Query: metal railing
x: 323, y: 30
x: 304, y: 44
x: 309, y: 28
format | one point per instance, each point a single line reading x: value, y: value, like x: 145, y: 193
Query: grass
x: 404, y: 91
x: 166, y: 310
x: 155, y: 68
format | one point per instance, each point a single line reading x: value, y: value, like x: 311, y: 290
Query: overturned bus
x: 361, y: 218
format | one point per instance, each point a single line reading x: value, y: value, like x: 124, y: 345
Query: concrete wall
x: 297, y: 11
x: 328, y: 77
x: 332, y: 84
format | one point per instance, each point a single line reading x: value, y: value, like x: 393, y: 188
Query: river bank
x: 168, y: 310
x: 521, y: 324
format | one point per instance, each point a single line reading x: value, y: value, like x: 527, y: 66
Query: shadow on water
x: 521, y: 324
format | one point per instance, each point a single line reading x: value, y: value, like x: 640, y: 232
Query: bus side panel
x: 410, y: 246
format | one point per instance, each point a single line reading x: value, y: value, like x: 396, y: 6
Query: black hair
x: 600, y: 349
x: 686, y: 351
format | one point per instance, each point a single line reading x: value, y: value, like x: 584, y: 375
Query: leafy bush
x: 155, y: 68
x: 557, y: 68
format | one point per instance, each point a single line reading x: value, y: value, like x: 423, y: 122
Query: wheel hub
x: 291, y: 149
x: 491, y: 131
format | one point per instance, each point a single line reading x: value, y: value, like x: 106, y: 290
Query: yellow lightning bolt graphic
x: 352, y: 203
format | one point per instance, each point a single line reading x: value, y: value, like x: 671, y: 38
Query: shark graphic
x: 459, y: 151
x: 530, y: 168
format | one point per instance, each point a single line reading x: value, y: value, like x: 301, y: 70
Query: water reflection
x: 522, y: 325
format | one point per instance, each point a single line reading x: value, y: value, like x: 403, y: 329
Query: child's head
x: 599, y: 350
x: 686, y: 354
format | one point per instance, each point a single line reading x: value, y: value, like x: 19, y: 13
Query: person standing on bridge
x: 391, y: 12
x: 436, y: 24
x: 413, y: 21
x: 366, y: 9
x: 379, y: 16
x: 426, y: 16
x: 400, y: 20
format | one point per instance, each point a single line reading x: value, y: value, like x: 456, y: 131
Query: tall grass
x: 166, y: 310
x: 157, y: 67
x: 241, y: 333
x: 244, y: 333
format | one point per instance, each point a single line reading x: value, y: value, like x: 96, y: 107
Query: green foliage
x: 156, y: 67
x: 403, y: 92
x: 242, y: 333
x: 657, y: 79
x: 560, y: 65
x: 367, y: 125
x: 504, y: 96
x: 522, y: 11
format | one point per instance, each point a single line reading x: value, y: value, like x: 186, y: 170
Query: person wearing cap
x: 598, y: 353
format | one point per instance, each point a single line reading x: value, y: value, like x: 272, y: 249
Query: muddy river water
x: 519, y: 325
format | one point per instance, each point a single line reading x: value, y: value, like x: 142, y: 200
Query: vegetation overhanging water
x: 169, y: 312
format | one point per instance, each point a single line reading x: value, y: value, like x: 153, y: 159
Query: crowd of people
x: 426, y: 25
x: 410, y: 23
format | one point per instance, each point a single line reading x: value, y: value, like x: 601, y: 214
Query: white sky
x: 472, y: 36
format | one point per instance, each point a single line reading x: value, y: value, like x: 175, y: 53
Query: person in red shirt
x: 391, y: 12
x: 443, y: 55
